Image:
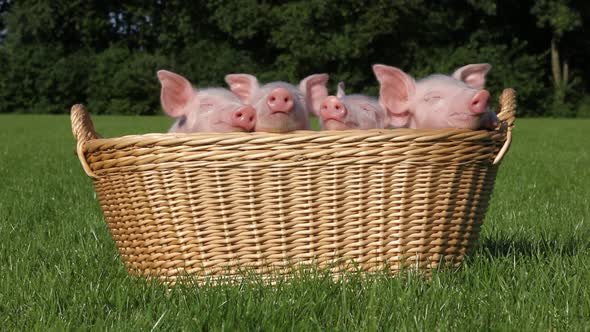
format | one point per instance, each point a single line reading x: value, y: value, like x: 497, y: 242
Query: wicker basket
x: 212, y: 204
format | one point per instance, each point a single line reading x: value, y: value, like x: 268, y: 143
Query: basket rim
x: 88, y: 141
x: 299, y: 136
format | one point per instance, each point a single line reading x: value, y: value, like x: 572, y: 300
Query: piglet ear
x: 314, y: 91
x: 242, y: 85
x: 396, y: 89
x: 340, y: 93
x: 176, y: 93
x: 474, y: 75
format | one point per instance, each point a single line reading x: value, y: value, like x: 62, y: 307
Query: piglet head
x: 280, y: 107
x: 342, y: 112
x: 437, y: 101
x: 213, y: 109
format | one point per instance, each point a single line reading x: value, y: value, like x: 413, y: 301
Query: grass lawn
x: 59, y: 267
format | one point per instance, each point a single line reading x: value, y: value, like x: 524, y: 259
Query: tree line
x: 106, y: 53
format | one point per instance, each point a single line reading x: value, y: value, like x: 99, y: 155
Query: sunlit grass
x: 59, y: 267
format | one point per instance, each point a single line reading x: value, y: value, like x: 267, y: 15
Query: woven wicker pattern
x: 212, y: 204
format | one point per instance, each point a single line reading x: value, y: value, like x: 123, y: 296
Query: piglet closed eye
x: 205, y: 110
x: 437, y: 101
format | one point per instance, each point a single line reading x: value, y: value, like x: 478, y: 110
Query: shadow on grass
x: 540, y: 248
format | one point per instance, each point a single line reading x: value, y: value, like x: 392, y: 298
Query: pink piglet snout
x: 244, y: 117
x: 332, y: 109
x: 479, y: 102
x: 280, y: 100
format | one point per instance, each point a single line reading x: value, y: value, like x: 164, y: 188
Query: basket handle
x: 507, y: 116
x: 83, y: 130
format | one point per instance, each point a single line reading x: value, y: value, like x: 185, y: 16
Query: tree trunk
x: 555, y: 65
x: 560, y: 76
x: 565, y: 72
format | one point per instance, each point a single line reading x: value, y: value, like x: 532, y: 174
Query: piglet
x: 354, y: 111
x: 280, y: 107
x: 437, y: 101
x: 205, y: 110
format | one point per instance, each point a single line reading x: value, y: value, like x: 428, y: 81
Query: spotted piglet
x: 204, y: 110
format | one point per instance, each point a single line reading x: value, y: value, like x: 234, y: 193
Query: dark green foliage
x: 121, y: 81
x: 30, y: 85
x: 583, y: 110
x: 206, y: 62
x: 105, y: 54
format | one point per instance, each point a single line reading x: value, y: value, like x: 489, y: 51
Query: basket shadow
x: 539, y: 248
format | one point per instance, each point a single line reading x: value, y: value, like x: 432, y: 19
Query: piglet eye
x: 366, y: 108
x: 432, y: 98
x: 207, y: 106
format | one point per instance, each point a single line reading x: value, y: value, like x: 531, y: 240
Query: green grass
x: 59, y: 267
